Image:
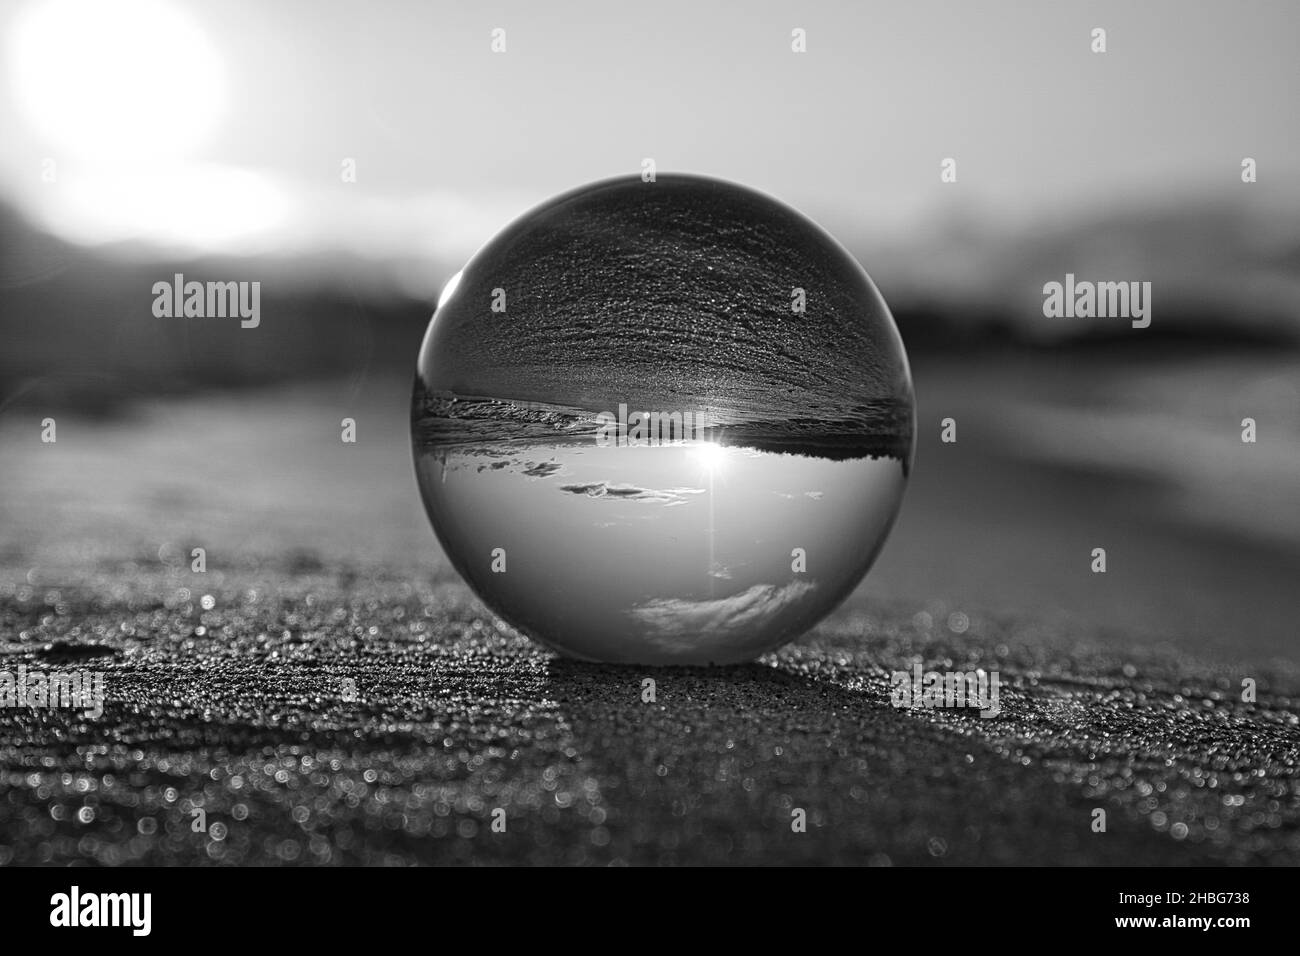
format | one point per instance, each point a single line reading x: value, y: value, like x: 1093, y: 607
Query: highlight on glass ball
x: 662, y: 422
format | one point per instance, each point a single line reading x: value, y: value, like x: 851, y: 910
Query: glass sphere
x: 662, y: 422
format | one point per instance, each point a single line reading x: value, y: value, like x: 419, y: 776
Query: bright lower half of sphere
x: 662, y: 423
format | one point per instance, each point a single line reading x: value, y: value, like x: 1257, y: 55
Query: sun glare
x: 709, y: 456
x: 126, y: 97
x: 114, y: 80
x: 204, y: 207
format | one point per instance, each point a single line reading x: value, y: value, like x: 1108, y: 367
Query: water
x: 662, y: 423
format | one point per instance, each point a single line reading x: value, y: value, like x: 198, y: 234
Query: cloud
x: 542, y: 469
x: 603, y: 489
x: 674, y: 624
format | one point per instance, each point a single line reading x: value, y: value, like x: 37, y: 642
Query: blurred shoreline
x: 78, y: 327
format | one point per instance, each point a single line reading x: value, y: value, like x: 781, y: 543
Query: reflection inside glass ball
x: 662, y: 423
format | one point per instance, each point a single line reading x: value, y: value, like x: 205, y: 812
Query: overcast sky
x: 224, y: 126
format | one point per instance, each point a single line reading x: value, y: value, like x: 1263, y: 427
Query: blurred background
x: 350, y: 159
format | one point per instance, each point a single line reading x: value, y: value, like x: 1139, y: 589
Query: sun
x: 115, y: 80
x: 709, y: 456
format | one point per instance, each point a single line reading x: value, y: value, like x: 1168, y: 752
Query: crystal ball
x: 664, y: 422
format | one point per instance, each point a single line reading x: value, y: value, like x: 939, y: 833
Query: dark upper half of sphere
x: 669, y: 294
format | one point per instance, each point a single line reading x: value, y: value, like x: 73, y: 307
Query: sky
x: 227, y: 127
